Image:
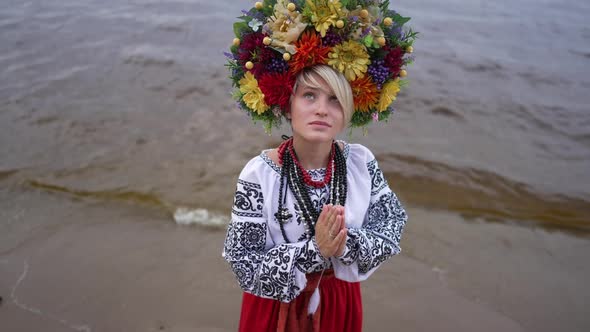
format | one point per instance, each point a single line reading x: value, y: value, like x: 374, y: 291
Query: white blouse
x: 267, y: 266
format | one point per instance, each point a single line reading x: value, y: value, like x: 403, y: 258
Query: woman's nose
x: 322, y: 108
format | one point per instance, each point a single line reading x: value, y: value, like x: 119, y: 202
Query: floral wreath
x: 276, y: 39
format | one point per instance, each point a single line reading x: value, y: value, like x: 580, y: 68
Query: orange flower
x: 365, y: 94
x: 310, y: 51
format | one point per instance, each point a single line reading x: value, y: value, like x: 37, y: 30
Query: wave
x: 472, y: 193
x: 202, y: 217
x: 476, y: 193
x: 180, y: 215
x: 128, y: 196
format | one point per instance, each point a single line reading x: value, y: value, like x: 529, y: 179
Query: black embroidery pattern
x: 383, y: 232
x: 318, y: 196
x: 381, y: 236
x: 267, y: 274
x: 276, y: 275
x: 351, y: 251
x: 248, y: 200
x: 310, y: 259
x: 244, y: 238
x: 244, y: 243
x: 377, y: 179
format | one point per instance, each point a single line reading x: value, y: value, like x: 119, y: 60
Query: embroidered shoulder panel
x: 248, y: 200
x: 378, y: 181
x: 244, y: 238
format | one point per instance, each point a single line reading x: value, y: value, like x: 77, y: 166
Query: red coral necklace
x: 288, y: 146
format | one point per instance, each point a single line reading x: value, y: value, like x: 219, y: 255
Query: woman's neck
x: 312, y: 155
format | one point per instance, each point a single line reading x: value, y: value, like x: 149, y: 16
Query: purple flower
x: 278, y: 65
x: 229, y: 55
x: 331, y: 38
x: 255, y: 14
x: 378, y: 72
x: 393, y: 31
x: 366, y: 31
x: 408, y: 58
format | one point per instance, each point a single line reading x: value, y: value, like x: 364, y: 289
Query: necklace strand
x: 294, y: 175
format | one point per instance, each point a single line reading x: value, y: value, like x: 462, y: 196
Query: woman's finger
x: 335, y: 227
x: 341, y: 240
x: 326, y: 214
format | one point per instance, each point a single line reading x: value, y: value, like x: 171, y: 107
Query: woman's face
x: 316, y: 114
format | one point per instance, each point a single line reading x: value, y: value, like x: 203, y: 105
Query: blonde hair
x: 335, y: 80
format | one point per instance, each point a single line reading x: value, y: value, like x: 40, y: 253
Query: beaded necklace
x: 296, y: 177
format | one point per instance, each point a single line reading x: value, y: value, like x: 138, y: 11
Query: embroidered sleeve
x: 261, y: 268
x: 380, y: 236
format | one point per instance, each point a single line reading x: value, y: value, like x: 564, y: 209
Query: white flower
x: 254, y: 24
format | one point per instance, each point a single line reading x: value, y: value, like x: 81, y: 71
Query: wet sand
x: 90, y: 265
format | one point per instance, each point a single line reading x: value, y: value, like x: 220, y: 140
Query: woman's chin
x: 318, y: 136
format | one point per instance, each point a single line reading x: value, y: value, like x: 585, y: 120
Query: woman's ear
x: 288, y: 115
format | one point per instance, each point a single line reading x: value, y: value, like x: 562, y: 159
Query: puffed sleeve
x: 261, y: 267
x: 379, y: 237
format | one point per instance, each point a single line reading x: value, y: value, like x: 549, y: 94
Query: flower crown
x: 362, y: 39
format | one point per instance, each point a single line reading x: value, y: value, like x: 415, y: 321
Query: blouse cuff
x: 349, y: 255
x: 317, y: 250
x: 310, y: 259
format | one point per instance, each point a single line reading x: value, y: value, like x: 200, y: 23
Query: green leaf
x: 268, y: 7
x: 368, y: 40
x: 241, y: 28
x: 400, y: 20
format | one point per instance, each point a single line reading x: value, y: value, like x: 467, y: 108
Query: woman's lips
x: 320, y: 123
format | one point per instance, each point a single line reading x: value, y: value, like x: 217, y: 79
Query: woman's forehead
x: 317, y: 84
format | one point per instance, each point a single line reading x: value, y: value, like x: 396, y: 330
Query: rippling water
x: 129, y: 100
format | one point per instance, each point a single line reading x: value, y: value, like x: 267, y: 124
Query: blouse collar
x: 315, y: 173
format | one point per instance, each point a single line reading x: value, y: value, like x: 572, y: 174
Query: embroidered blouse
x: 266, y: 266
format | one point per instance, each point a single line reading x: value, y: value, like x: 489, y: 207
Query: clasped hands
x: 330, y: 231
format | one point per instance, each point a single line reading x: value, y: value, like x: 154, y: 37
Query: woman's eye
x: 308, y: 95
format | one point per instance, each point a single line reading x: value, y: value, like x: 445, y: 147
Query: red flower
x: 394, y: 59
x: 310, y: 51
x: 364, y: 93
x: 253, y: 49
x: 277, y: 88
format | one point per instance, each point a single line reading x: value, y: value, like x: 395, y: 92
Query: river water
x: 130, y: 101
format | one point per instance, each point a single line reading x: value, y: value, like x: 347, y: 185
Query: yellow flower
x: 388, y: 95
x: 350, y: 58
x: 253, y: 96
x: 324, y: 13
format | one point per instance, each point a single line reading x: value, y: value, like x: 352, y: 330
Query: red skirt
x: 340, y: 309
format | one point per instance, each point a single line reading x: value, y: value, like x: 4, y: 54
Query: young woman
x: 311, y: 218
x: 315, y: 216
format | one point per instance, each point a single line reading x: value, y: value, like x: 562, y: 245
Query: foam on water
x: 201, y: 217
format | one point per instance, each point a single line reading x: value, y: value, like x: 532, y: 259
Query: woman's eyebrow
x: 314, y: 89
